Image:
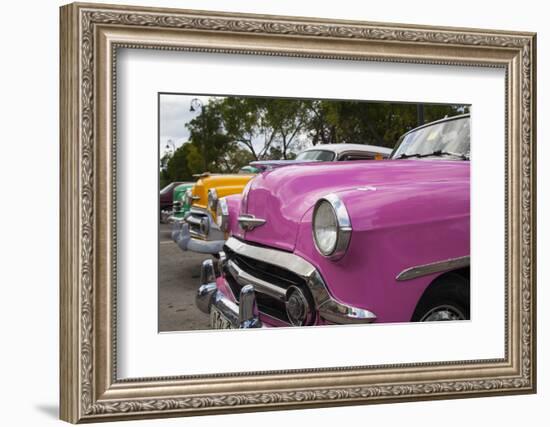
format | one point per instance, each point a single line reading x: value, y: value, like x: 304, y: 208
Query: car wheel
x: 447, y: 298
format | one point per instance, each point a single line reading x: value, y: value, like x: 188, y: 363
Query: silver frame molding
x: 90, y: 36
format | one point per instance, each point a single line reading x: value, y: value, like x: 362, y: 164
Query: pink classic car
x: 350, y: 242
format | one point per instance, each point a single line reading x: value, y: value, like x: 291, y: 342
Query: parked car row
x: 199, y: 231
x: 336, y: 238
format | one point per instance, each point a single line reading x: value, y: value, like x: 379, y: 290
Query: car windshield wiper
x: 436, y: 153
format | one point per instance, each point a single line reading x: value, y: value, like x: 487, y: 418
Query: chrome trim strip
x: 290, y: 261
x: 262, y: 286
x: 329, y: 309
x: 434, y: 267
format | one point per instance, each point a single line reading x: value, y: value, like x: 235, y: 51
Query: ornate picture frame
x: 90, y: 37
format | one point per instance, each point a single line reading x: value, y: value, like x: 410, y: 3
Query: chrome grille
x: 261, y: 272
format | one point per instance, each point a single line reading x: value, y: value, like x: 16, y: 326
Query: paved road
x: 179, y: 274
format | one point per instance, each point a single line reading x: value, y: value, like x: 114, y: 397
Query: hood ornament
x: 201, y: 175
x: 250, y: 222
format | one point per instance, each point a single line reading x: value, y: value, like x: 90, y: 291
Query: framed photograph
x: 267, y: 212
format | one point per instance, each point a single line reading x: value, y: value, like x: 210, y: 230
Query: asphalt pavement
x: 179, y: 276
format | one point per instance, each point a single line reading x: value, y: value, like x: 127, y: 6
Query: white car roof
x: 340, y: 148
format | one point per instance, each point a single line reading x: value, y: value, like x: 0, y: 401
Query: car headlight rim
x: 342, y: 226
x: 188, y: 197
x: 212, y: 199
x: 222, y: 214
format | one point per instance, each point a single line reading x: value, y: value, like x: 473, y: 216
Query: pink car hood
x: 283, y: 196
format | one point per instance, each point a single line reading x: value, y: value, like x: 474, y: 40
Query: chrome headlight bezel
x: 188, y: 198
x: 222, y: 214
x: 212, y: 199
x: 343, y: 227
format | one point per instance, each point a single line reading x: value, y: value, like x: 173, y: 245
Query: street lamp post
x: 196, y: 105
x: 170, y: 144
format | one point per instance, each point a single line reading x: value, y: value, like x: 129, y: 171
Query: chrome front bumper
x: 243, y: 315
x: 328, y: 308
x: 166, y: 215
x: 184, y: 237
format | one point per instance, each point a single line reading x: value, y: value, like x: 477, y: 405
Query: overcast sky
x: 174, y: 115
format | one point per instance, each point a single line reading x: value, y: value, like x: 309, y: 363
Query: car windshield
x: 316, y: 155
x: 447, y: 139
x: 246, y: 170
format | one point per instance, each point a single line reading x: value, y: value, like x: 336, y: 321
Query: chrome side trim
x: 434, y: 267
x: 290, y: 261
x: 262, y: 286
x: 329, y: 309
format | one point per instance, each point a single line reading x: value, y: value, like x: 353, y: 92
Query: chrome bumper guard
x: 183, y: 237
x: 243, y: 315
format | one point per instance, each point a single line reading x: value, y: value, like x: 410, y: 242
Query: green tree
x: 183, y: 164
x: 208, y: 137
x: 372, y: 123
x: 231, y: 132
x: 286, y: 119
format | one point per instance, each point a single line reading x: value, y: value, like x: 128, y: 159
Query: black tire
x: 447, y: 298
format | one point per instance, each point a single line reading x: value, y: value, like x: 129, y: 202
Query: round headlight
x: 331, y: 227
x: 222, y: 214
x: 212, y: 199
x: 325, y: 228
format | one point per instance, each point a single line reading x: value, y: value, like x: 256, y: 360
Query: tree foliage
x: 230, y: 132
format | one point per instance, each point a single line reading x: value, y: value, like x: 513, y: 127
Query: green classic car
x: 180, y: 206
